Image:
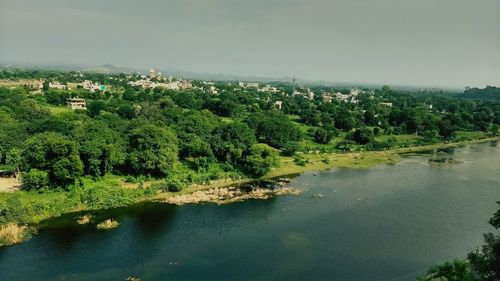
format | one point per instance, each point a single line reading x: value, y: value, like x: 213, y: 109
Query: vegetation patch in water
x: 84, y: 219
x: 107, y: 224
x: 11, y: 234
x: 444, y: 162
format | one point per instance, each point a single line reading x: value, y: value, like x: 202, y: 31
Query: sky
x: 451, y: 43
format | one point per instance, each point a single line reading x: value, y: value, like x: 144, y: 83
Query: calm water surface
x: 386, y: 223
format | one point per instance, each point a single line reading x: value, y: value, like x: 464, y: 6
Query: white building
x: 57, y: 85
x: 278, y: 104
x: 93, y: 86
x: 76, y: 103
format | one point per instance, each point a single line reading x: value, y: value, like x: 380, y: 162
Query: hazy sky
x: 412, y: 42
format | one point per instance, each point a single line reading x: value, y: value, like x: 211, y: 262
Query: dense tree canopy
x: 152, y: 150
x: 54, y: 154
x: 204, y: 134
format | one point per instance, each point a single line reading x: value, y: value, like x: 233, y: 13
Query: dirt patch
x: 10, y: 184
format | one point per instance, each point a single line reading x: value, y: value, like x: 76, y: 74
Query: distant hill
x: 105, y: 68
x: 108, y: 68
x: 488, y: 93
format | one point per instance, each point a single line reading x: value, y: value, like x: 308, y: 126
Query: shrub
x: 299, y: 160
x: 290, y: 148
x: 108, y: 196
x: 363, y: 135
x: 260, y: 160
x: 323, y: 136
x: 35, y: 179
x: 175, y: 185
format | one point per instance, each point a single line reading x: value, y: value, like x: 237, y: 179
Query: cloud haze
x: 425, y: 42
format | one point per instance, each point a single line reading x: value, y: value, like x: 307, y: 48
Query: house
x: 91, y: 86
x: 248, y: 85
x: 57, y: 85
x: 327, y: 97
x: 341, y: 97
x: 278, y: 104
x: 76, y: 103
x: 386, y: 104
x: 213, y: 90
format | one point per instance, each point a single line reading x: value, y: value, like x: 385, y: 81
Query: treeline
x: 195, y: 136
x: 488, y: 93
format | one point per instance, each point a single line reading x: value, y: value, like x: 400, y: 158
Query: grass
x: 107, y: 224
x: 59, y: 109
x: 12, y: 233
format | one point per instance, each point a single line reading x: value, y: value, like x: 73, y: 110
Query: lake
x: 390, y: 222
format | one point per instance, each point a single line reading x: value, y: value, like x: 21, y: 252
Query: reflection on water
x: 388, y: 222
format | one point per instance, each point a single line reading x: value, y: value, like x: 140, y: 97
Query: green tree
x: 493, y: 130
x: 54, y: 154
x: 322, y: 136
x: 101, y: 148
x: 260, y: 160
x: 486, y: 261
x: 153, y: 150
x: 274, y: 129
x: 290, y: 148
x: 363, y: 135
x: 231, y: 140
x: 450, y: 271
x: 35, y: 179
x: 429, y: 135
x: 446, y: 129
x: 94, y: 108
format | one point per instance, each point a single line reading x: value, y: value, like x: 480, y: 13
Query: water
x: 386, y: 223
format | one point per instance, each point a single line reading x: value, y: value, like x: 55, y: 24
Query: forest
x: 181, y: 137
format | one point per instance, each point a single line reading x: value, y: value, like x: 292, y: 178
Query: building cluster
x: 268, y: 89
x: 93, y: 86
x: 87, y: 85
x: 306, y: 93
x: 351, y: 97
x: 155, y: 80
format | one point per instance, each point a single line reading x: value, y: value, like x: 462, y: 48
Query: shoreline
x: 288, y: 168
x: 356, y: 160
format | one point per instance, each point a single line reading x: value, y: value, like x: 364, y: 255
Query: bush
x: 35, y: 179
x: 345, y: 145
x: 299, y: 160
x: 260, y: 160
x: 323, y: 136
x: 32, y: 207
x: 363, y: 135
x: 108, y: 196
x: 290, y: 148
x: 175, y: 185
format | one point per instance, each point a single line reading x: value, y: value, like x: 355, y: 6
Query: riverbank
x: 323, y: 162
x: 31, y: 208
